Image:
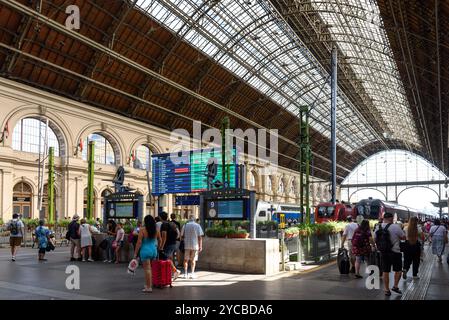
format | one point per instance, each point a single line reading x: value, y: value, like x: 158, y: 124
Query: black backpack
x: 14, y: 228
x: 383, y: 241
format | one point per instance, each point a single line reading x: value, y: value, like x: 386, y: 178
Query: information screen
x: 188, y: 174
x: 226, y: 209
x: 124, y: 209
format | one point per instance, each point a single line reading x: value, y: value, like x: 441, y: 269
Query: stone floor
x: 29, y: 279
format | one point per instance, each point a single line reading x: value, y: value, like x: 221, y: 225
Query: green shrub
x: 222, y: 232
x: 63, y: 223
x: 31, y: 224
x: 1, y: 222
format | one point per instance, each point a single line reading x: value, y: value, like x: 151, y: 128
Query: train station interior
x: 282, y: 129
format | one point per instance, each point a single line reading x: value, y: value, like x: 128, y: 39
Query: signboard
x: 123, y: 205
x: 227, y: 209
x: 187, y: 200
x: 189, y: 173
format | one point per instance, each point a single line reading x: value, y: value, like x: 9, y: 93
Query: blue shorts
x: 170, y: 250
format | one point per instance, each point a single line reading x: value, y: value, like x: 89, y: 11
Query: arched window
x: 252, y: 180
x: 142, y: 159
x: 104, y: 153
x: 22, y: 199
x: 29, y: 135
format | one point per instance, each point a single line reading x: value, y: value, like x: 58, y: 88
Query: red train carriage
x: 326, y: 211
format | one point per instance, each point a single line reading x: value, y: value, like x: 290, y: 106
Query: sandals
x: 147, y: 290
x: 396, y: 290
x: 387, y: 293
x: 358, y: 276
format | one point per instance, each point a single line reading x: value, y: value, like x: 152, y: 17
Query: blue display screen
x: 188, y: 173
x: 227, y: 209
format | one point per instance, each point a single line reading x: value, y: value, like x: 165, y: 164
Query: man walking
x: 388, y: 236
x: 178, y: 240
x: 347, y: 235
x: 17, y: 230
x: 75, y: 238
x: 193, y: 244
x: 169, y: 235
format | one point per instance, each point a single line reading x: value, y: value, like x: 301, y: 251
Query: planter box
x: 254, y: 256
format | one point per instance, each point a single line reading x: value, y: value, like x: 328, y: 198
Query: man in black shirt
x: 169, y: 235
x: 75, y: 239
x: 178, y: 241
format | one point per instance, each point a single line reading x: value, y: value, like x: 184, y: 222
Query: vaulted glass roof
x: 254, y: 42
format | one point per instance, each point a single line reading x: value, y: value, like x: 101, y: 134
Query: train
x: 268, y: 211
x: 375, y: 209
x: 369, y: 208
x: 326, y: 211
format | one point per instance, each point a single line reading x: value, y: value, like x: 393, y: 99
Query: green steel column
x: 90, y: 180
x: 304, y: 162
x: 224, y: 168
x: 51, y: 185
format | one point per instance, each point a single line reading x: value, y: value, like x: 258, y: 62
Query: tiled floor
x: 28, y: 279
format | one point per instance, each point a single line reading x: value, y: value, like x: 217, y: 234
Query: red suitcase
x: 161, y: 271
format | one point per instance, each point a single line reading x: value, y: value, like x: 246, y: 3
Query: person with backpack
x: 75, y: 239
x: 362, y: 245
x: 169, y: 234
x: 16, y: 229
x: 387, y: 237
x: 438, y: 237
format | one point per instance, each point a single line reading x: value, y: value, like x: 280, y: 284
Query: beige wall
x: 74, y: 121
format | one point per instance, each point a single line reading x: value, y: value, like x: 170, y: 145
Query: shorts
x: 170, y: 250
x: 361, y: 259
x: 42, y: 250
x: 76, y: 242
x: 190, y: 255
x: 392, y: 259
x: 349, y: 247
x: 15, y: 241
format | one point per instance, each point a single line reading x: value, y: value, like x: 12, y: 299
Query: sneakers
x: 397, y: 290
x: 84, y: 260
x: 176, y: 275
x: 13, y: 258
x: 404, y: 274
x: 192, y: 276
x: 147, y: 290
x: 105, y: 260
x: 90, y: 260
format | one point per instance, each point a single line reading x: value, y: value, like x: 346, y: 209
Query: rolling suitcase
x: 161, y: 270
x: 343, y: 261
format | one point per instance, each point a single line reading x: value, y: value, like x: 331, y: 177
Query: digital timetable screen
x: 188, y: 173
x: 227, y: 209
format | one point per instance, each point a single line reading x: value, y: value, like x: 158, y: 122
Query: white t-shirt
x: 350, y: 229
x: 20, y: 225
x: 191, y: 231
x: 396, y: 233
x: 438, y: 231
x: 120, y: 235
x: 158, y: 226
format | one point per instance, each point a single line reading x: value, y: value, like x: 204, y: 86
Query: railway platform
x: 27, y: 279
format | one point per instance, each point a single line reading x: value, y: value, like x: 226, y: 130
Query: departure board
x: 188, y: 173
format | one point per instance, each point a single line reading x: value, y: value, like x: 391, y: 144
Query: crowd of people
x: 157, y: 238
x: 397, y: 246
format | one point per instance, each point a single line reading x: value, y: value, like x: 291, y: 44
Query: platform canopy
x: 169, y: 62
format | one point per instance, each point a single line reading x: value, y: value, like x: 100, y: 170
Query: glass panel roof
x: 357, y: 28
x: 249, y: 38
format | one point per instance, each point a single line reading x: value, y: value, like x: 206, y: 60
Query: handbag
x: 403, y: 245
x: 133, y: 266
x: 50, y: 246
x: 114, y: 244
x: 181, y: 246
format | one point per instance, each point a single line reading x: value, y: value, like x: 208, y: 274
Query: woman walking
x: 85, y: 232
x: 42, y: 237
x: 413, y: 248
x: 362, y: 244
x: 147, y: 247
x: 438, y: 236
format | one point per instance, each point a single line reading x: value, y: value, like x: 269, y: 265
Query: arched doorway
x: 22, y: 200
